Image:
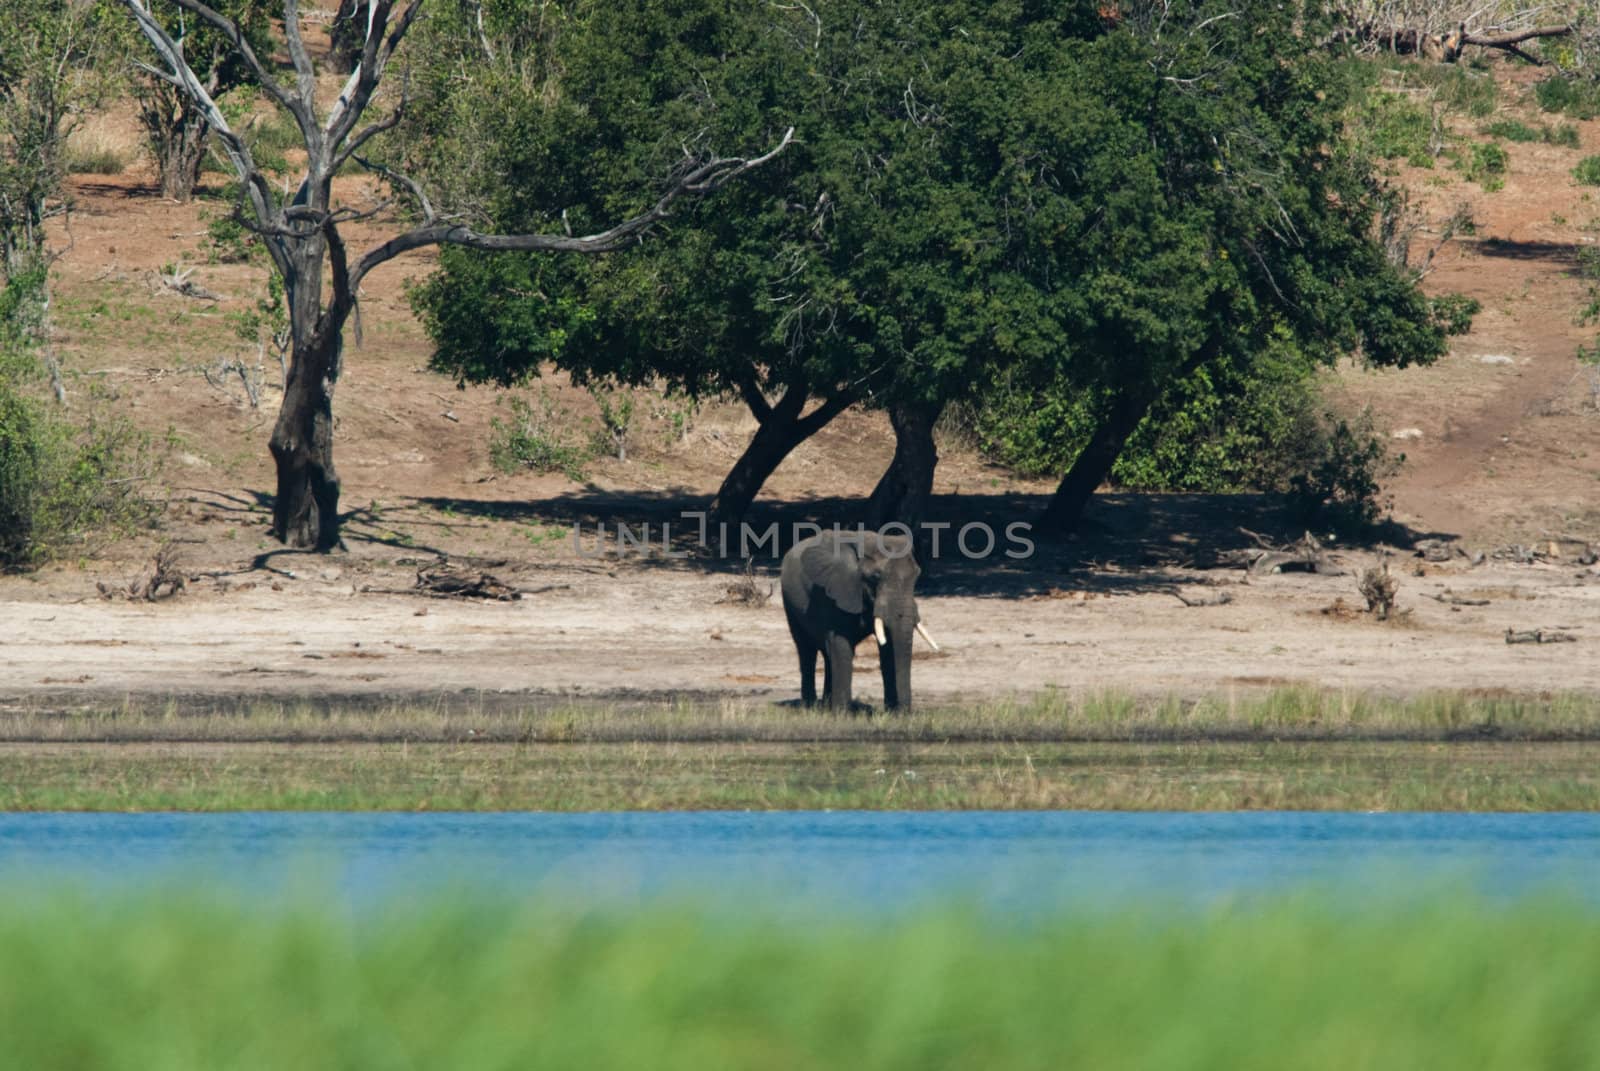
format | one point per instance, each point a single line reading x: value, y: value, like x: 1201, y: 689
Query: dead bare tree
x: 1445, y: 29
x: 301, y: 229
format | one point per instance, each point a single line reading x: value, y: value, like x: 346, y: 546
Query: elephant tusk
x: 877, y: 630
x: 927, y: 637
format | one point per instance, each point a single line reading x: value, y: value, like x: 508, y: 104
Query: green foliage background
x: 179, y: 983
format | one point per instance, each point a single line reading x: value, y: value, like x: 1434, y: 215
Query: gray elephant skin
x: 838, y: 589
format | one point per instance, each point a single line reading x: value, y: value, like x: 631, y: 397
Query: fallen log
x: 1539, y: 635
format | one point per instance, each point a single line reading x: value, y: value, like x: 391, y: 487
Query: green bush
x: 1588, y: 171
x: 61, y: 485
x: 1392, y: 126
x: 1336, y: 468
x: 538, y: 436
x: 1514, y: 130
x: 1224, y: 429
x: 1569, y: 95
x: 1484, y: 163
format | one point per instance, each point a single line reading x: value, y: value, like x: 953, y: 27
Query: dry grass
x: 1280, y: 714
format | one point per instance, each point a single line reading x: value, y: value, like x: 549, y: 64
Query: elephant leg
x: 841, y: 653
x: 808, y: 671
x: 807, y: 649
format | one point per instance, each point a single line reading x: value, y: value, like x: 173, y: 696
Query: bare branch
x: 428, y: 215
x: 357, y: 93
x: 305, y: 74
x: 704, y: 179
x: 391, y: 121
x: 230, y: 30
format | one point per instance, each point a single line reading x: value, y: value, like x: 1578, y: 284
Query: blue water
x: 1025, y: 863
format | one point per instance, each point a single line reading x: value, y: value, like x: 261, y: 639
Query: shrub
x: 1460, y: 89
x: 1392, y: 126
x: 1568, y: 95
x: 1227, y: 428
x: 1588, y: 171
x: 538, y: 437
x: 61, y: 485
x: 1512, y: 130
x: 616, y: 421
x: 1338, y: 468
x: 96, y: 160
x: 1484, y: 163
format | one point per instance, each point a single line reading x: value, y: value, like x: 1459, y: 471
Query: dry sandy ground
x: 651, y: 632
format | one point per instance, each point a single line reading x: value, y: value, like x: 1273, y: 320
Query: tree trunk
x: 902, y: 492
x: 180, y: 157
x: 306, y: 510
x: 1094, y: 462
x: 177, y: 134
x: 782, y: 428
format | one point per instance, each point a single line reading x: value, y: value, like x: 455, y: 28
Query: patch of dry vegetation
x: 1052, y: 717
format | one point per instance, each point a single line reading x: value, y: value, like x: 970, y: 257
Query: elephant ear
x: 836, y: 569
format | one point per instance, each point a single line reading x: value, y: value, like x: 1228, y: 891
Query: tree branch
x: 750, y: 391
x: 819, y: 417
x: 375, y: 53
x: 181, y: 76
x: 230, y: 30
x: 305, y: 74
x: 704, y: 179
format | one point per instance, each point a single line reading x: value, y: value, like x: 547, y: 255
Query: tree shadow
x: 1564, y: 253
x: 1127, y: 543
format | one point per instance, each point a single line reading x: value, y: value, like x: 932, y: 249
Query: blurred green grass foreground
x: 162, y: 984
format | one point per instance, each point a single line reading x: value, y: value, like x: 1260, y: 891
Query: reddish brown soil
x: 1497, y: 453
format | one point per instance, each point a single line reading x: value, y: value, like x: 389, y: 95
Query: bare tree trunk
x: 782, y: 428
x: 903, y: 490
x: 305, y: 512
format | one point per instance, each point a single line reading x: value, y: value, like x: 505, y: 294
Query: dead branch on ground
x: 1379, y: 589
x: 1539, y: 635
x: 745, y: 591
x: 165, y: 580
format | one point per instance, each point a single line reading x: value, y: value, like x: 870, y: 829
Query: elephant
x: 840, y: 587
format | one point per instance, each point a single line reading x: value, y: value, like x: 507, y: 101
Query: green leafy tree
x: 1061, y: 200
x: 858, y: 268
x: 1243, y: 222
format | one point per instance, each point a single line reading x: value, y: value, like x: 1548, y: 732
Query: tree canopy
x: 1062, y: 197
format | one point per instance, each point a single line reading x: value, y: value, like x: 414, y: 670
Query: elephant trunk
x: 894, y: 659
